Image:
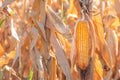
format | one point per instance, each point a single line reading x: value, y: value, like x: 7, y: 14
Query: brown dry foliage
x: 59, y: 40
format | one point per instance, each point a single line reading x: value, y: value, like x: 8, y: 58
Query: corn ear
x: 82, y: 44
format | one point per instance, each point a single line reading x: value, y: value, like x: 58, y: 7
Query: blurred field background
x: 59, y: 40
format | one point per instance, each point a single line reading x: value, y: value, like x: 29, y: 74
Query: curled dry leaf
x: 13, y: 31
x: 61, y: 57
x: 35, y: 55
x: 65, y: 44
x: 39, y: 65
x: 112, y: 41
x: 55, y: 23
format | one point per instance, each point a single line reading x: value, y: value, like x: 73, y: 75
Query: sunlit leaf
x: 5, y: 59
x: 1, y: 50
x: 98, y: 70
x: 97, y: 20
x: 74, y: 8
x: 115, y: 23
x: 14, y: 33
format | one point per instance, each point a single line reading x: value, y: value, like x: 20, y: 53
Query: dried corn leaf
x: 18, y: 51
x: 65, y: 44
x: 12, y: 71
x: 97, y: 20
x: 42, y: 30
x: 13, y: 31
x: 53, y: 66
x: 72, y: 9
x: 39, y: 64
x: 7, y: 2
x: 39, y: 25
x: 112, y: 42
x: 38, y: 16
x: 55, y: 23
x: 27, y: 69
x: 38, y: 10
x: 35, y: 55
x: 98, y: 68
x: 92, y: 34
x: 111, y: 21
x: 115, y: 23
x: 82, y: 44
x: 56, y: 5
x: 60, y: 55
x: 109, y: 10
x: 5, y: 59
x: 117, y: 5
x: 1, y: 50
x: 44, y: 49
x: 12, y: 54
x: 108, y: 75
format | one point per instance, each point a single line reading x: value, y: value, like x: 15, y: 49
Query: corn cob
x: 82, y: 44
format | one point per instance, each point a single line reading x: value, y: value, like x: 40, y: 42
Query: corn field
x: 59, y: 39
